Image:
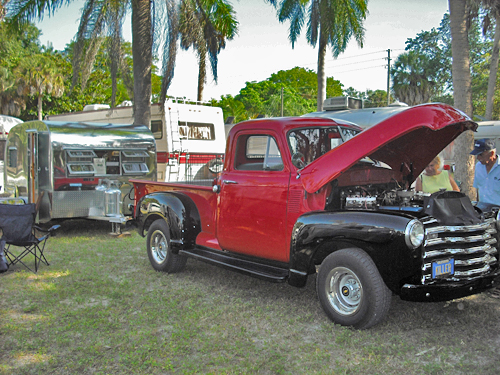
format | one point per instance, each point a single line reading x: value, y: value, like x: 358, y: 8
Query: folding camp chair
x: 17, y: 222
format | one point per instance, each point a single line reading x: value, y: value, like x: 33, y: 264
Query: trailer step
x: 258, y: 270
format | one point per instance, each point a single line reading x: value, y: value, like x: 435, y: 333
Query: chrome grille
x: 473, y: 248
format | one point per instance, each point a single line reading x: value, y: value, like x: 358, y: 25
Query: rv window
x: 81, y: 154
x: 135, y: 154
x: 157, y: 128
x: 81, y: 169
x: 196, y: 130
x: 12, y: 157
x: 135, y: 168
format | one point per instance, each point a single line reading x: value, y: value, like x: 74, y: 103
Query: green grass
x: 100, y: 308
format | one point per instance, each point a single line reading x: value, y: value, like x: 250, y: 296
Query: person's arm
x: 418, y: 184
x: 453, y: 183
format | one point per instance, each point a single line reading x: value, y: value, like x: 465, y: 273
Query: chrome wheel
x: 160, y: 252
x: 159, y: 246
x: 344, y: 290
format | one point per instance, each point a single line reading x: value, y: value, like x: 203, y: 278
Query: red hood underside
x: 407, y: 142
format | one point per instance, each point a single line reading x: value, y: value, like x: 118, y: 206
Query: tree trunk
x: 321, y: 71
x: 462, y: 94
x: 202, y: 74
x: 143, y: 57
x: 493, y: 72
x: 39, y: 106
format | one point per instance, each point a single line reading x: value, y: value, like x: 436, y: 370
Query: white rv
x: 190, y: 138
x: 489, y: 129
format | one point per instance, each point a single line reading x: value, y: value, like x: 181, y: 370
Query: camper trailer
x: 76, y: 169
x: 190, y: 137
x: 6, y: 123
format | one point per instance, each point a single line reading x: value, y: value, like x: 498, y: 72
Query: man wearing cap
x: 487, y: 173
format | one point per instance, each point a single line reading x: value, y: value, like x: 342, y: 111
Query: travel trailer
x: 190, y: 137
x: 6, y: 123
x: 76, y: 169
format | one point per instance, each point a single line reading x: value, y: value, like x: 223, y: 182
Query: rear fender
x: 177, y: 209
x: 318, y: 234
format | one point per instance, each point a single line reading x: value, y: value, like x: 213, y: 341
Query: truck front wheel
x: 159, y: 250
x: 351, y: 290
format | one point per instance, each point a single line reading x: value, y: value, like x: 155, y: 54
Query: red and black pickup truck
x: 314, y: 196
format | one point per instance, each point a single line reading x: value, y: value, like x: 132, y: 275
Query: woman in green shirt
x: 434, y: 179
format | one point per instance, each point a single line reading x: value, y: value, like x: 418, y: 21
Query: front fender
x: 382, y: 235
x: 177, y: 209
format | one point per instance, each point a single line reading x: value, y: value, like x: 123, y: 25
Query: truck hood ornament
x: 406, y: 142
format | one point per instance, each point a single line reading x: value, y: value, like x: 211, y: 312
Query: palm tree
x: 462, y: 93
x: 330, y: 23
x: 2, y: 9
x: 491, y: 19
x: 100, y: 16
x: 10, y: 102
x: 205, y: 25
x: 412, y: 79
x: 39, y: 76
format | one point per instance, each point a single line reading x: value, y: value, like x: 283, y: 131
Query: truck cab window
x: 311, y: 143
x: 258, y: 152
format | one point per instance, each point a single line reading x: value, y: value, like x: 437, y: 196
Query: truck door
x: 253, y: 198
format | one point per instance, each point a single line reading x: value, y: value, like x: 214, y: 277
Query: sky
x: 262, y: 48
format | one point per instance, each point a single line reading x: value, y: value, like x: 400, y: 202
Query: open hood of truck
x: 406, y: 141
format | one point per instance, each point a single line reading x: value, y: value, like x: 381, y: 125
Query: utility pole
x: 388, y: 76
x: 281, y: 101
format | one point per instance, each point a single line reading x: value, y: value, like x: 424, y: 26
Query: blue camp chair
x: 21, y: 236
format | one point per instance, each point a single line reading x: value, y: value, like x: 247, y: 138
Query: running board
x: 258, y: 270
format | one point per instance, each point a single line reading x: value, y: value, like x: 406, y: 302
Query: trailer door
x: 32, y: 165
x: 39, y: 154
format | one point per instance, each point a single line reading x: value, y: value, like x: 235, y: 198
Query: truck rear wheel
x: 351, y: 290
x: 159, y: 250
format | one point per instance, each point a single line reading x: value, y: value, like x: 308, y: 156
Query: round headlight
x: 414, y: 234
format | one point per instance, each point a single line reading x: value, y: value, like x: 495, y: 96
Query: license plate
x: 443, y: 268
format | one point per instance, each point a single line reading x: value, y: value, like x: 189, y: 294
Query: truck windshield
x: 311, y: 143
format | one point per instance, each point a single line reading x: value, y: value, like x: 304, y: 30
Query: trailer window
x: 80, y: 162
x: 12, y: 157
x: 196, y: 131
x: 157, y: 128
x: 134, y: 162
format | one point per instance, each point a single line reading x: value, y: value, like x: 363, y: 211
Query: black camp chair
x: 17, y: 222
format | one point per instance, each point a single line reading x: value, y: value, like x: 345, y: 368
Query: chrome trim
x: 457, y: 228
x: 448, y: 240
x: 493, y: 250
x: 453, y: 251
x: 488, y: 259
x: 409, y: 229
x: 469, y: 262
x: 491, y: 241
x: 473, y: 272
x: 456, y: 276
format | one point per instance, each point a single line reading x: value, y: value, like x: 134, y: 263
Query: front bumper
x: 449, y: 290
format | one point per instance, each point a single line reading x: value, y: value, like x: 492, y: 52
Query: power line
x: 355, y: 70
x: 361, y: 62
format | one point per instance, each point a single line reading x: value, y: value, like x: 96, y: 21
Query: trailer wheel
x: 351, y: 290
x: 159, y: 250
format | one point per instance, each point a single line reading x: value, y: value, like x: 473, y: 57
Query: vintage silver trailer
x: 77, y: 169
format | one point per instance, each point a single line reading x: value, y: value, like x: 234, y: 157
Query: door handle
x: 228, y: 182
